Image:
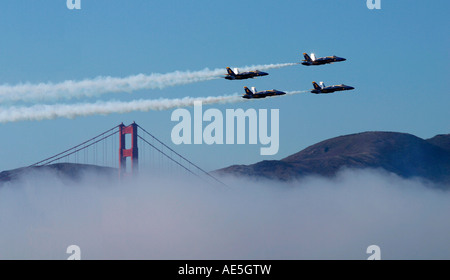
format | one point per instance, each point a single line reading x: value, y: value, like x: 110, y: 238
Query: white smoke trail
x: 47, y: 112
x: 101, y: 85
x: 297, y: 92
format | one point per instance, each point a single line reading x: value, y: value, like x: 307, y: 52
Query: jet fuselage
x: 331, y: 89
x: 308, y: 61
x: 244, y: 75
x: 261, y: 94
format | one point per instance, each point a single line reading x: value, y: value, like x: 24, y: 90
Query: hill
x: 65, y: 171
x: 403, y: 154
x: 442, y: 141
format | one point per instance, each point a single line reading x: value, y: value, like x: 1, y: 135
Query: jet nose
x: 343, y: 59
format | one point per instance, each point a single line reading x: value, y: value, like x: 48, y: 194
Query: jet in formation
x: 235, y: 75
x: 324, y: 89
x: 249, y: 94
x: 308, y: 61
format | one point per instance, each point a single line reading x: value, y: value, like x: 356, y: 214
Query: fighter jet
x: 235, y: 75
x: 323, y: 89
x: 308, y: 61
x: 262, y: 94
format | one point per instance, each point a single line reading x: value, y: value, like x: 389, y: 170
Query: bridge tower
x: 131, y: 152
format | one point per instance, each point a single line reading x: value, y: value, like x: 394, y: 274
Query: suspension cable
x: 47, y: 159
x: 167, y: 156
x: 85, y: 147
x: 207, y: 173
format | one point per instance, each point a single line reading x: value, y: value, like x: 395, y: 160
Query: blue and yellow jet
x: 235, y: 75
x: 324, y: 89
x: 249, y: 94
x: 308, y: 61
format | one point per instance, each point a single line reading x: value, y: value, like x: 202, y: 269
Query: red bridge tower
x: 132, y: 152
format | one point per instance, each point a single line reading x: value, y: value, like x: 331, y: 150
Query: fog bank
x: 162, y: 217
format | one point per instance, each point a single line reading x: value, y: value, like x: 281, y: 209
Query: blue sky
x: 398, y: 61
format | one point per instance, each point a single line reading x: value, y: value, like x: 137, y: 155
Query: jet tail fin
x: 307, y: 58
x: 247, y: 91
x: 316, y: 86
x: 230, y: 72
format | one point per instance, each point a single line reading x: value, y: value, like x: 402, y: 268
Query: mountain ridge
x: 401, y: 153
x: 69, y: 172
